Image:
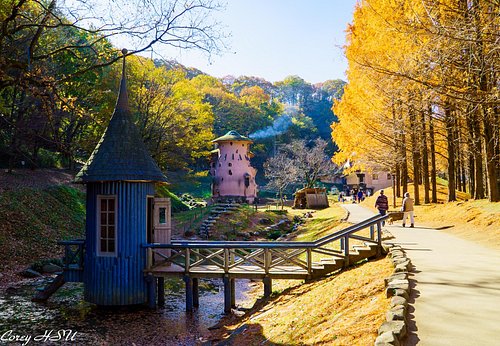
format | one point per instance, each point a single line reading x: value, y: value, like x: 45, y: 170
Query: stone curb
x: 394, y: 329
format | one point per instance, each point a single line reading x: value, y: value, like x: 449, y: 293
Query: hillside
x: 344, y: 309
x: 39, y: 208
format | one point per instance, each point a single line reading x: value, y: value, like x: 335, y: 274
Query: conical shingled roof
x: 232, y: 136
x: 121, y: 155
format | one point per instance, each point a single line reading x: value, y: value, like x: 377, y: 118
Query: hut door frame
x: 162, y: 224
x: 150, y: 220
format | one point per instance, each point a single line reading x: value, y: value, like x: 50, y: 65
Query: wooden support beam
x: 346, y: 251
x: 151, y: 282
x: 268, y: 286
x: 372, y: 232
x: 189, y: 293
x: 227, y: 294
x: 233, y: 293
x: 161, y: 291
x: 196, y: 293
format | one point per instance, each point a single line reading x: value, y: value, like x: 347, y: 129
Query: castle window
x: 230, y: 143
x: 240, y: 157
x: 233, y: 156
x: 229, y: 164
x: 230, y: 172
x: 106, y: 225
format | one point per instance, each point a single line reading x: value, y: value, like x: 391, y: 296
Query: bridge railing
x: 227, y: 256
x: 74, y: 252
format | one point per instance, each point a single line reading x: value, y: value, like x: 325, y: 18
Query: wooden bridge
x: 263, y: 260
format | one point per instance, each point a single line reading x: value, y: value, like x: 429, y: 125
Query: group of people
x: 382, y: 204
x: 357, y: 196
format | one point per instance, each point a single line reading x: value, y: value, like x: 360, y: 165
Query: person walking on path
x: 382, y: 204
x: 408, y: 210
x: 360, y: 196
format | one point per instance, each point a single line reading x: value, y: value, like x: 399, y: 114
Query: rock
x: 30, y: 273
x: 402, y: 267
x: 398, y: 313
x: 398, y: 300
x: 396, y: 276
x: 1, y: 276
x: 245, y: 235
x: 392, y: 292
x: 399, y: 285
x: 265, y: 221
x: 51, y: 268
x: 386, y: 339
x: 398, y: 328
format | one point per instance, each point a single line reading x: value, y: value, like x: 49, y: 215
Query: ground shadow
x: 412, y: 328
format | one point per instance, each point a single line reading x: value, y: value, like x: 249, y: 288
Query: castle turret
x: 233, y: 176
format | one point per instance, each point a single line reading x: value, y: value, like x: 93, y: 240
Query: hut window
x: 230, y: 172
x: 163, y: 216
x: 106, y: 225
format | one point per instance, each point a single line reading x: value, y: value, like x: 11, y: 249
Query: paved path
x: 455, y: 296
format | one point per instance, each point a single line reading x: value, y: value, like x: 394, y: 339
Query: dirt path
x: 456, y: 286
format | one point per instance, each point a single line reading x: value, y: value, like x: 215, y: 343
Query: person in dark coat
x: 382, y: 204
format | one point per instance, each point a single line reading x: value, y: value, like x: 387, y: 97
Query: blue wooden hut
x: 120, y: 178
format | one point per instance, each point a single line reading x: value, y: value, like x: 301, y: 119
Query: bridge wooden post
x: 268, y: 286
x: 196, y: 293
x: 379, y: 238
x: 189, y: 293
x: 187, y: 262
x: 151, y: 284
x: 161, y: 291
x: 372, y: 232
x: 309, y: 261
x: 149, y: 258
x: 227, y: 294
x: 346, y: 251
x: 233, y: 293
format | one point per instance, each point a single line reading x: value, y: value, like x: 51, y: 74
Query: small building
x: 122, y: 214
x: 233, y: 175
x: 365, y: 181
x: 312, y: 198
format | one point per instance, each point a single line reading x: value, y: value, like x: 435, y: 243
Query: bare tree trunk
x: 425, y: 158
x: 433, y: 159
x: 415, y: 156
x: 450, y: 140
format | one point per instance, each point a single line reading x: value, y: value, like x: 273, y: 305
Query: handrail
x: 71, y: 242
x: 205, y: 244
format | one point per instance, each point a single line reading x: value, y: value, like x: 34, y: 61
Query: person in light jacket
x: 407, y: 209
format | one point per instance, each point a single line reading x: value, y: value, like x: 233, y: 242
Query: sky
x: 273, y: 39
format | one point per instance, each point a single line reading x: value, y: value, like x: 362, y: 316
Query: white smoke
x: 280, y: 125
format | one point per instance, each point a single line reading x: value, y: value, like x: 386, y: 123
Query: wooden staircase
x: 209, y: 223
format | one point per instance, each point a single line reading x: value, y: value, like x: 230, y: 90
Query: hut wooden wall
x: 118, y: 280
